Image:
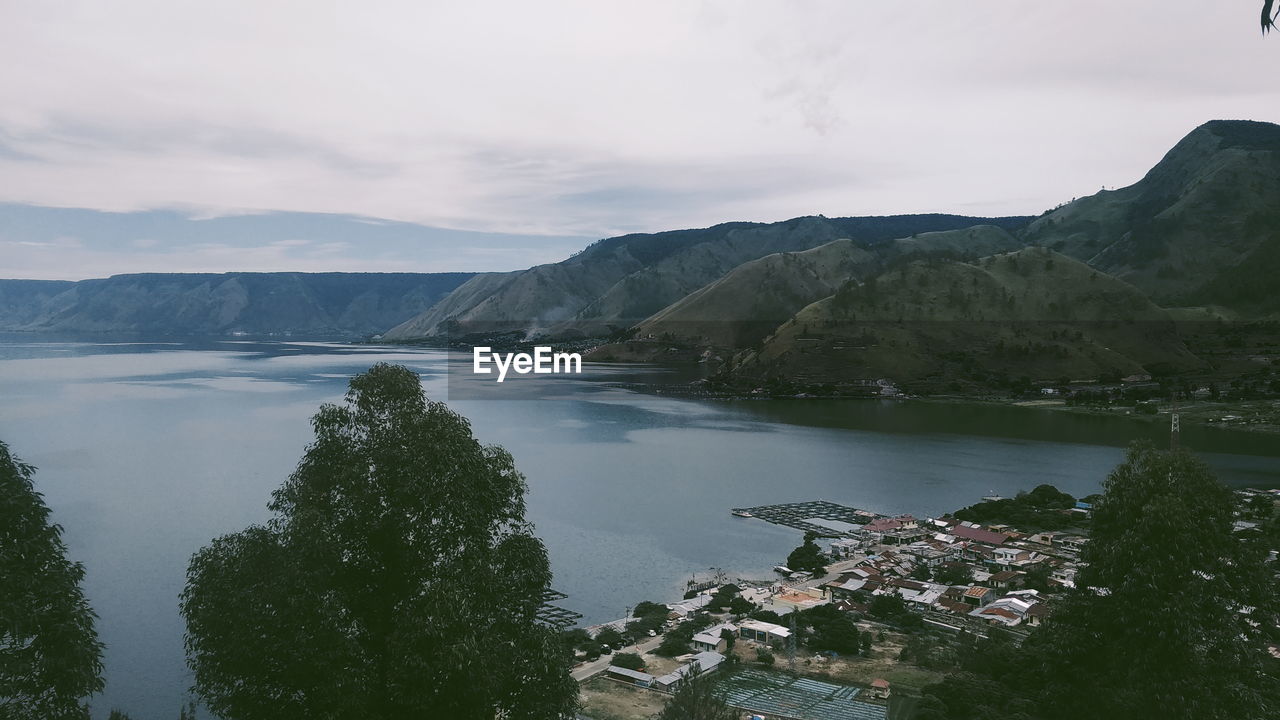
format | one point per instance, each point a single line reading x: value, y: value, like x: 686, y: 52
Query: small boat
x: 741, y: 513
x: 782, y: 569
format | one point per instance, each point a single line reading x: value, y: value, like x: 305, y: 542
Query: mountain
x: 750, y: 301
x: 1201, y: 228
x: 1033, y: 312
x: 618, y: 282
x: 211, y: 304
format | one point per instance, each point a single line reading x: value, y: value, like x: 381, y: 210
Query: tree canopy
x: 398, y: 578
x: 50, y: 657
x: 808, y: 557
x: 1172, y: 614
x: 1173, y: 610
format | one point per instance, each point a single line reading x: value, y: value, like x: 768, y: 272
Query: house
x: 631, y: 677
x: 702, y: 663
x: 763, y: 632
x: 1064, y: 576
x: 970, y: 531
x: 845, y: 548
x: 1007, y: 579
x: 880, y: 689
x: 978, y: 595
x: 1036, y: 614
x: 711, y: 640
x: 929, y: 555
x: 1012, y: 609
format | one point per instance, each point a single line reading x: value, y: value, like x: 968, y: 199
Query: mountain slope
x: 1202, y: 227
x: 208, y: 303
x: 749, y: 302
x: 618, y: 282
x: 1032, y: 312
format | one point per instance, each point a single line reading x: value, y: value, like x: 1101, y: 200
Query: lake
x: 148, y: 450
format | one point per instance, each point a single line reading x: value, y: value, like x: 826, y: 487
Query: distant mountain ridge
x: 353, y: 304
x: 618, y: 282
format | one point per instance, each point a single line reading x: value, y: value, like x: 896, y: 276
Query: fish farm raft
x: 827, y: 519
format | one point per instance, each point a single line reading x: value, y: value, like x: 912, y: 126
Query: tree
x: 954, y: 574
x: 50, y: 657
x: 609, y: 636
x: 1163, y: 617
x: 1268, y: 17
x: 630, y: 661
x: 808, y: 557
x: 697, y: 700
x: 398, y: 578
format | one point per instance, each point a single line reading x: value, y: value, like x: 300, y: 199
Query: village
x: 877, y: 608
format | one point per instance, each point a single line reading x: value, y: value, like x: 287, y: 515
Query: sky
x: 544, y: 125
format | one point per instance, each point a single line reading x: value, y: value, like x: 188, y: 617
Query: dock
x: 827, y: 519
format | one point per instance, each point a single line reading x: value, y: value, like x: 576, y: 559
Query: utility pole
x: 1175, y: 423
x: 791, y: 642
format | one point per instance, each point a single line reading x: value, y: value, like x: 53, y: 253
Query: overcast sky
x: 594, y: 118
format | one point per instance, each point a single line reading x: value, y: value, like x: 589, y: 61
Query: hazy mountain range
x: 217, y: 304
x: 1094, y: 283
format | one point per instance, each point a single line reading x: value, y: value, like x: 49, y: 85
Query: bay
x: 146, y: 450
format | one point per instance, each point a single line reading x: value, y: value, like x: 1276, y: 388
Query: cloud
x: 585, y: 118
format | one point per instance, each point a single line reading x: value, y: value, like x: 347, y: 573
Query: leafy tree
x: 1164, y: 617
x: 808, y: 557
x: 609, y: 636
x: 630, y: 661
x: 741, y: 606
x: 371, y: 593
x: 954, y: 574
x: 697, y: 700
x: 1172, y: 614
x: 768, y: 616
x: 50, y: 657
x: 764, y: 656
x: 672, y: 645
x: 645, y: 609
x: 730, y: 638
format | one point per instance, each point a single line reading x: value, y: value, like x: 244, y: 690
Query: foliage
x: 892, y: 610
x: 50, y: 657
x: 1172, y: 614
x: 831, y: 629
x: 630, y: 661
x: 1169, y: 631
x: 378, y: 571
x: 730, y: 638
x: 672, y: 645
x: 697, y: 700
x: 1040, y: 509
x: 609, y: 636
x: 928, y: 650
x: 645, y: 609
x: 768, y: 616
x: 808, y: 557
x: 764, y: 656
x: 954, y: 574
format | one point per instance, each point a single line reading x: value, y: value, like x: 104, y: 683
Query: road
x: 595, y: 667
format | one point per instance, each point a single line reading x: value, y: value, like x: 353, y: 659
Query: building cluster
x: 955, y: 573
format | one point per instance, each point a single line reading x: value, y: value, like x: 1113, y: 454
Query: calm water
x: 146, y: 451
